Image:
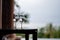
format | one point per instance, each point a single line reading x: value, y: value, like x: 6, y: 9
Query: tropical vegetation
x: 49, y: 32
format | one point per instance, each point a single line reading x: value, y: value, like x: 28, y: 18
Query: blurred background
x: 43, y: 15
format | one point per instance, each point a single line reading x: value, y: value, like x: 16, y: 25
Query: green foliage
x: 18, y: 34
x: 51, y: 32
x: 40, y: 35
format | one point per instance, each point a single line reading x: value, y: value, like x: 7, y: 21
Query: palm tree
x: 23, y: 19
x: 15, y: 19
x: 50, y: 30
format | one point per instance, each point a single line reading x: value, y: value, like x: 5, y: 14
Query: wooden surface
x: 0, y: 14
x: 26, y: 32
x: 7, y: 14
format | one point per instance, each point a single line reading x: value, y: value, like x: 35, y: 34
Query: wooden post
x: 0, y: 14
x: 7, y: 14
x: 35, y: 35
x: 27, y: 36
x: 0, y: 18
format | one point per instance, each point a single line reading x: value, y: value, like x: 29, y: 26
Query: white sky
x: 41, y: 12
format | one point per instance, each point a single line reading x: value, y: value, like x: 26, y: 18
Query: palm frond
x: 25, y: 20
x: 26, y: 15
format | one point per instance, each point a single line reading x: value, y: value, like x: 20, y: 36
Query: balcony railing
x: 26, y: 32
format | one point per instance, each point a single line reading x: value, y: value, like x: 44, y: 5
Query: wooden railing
x: 26, y: 32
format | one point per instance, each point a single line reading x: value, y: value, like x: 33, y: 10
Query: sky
x: 41, y: 12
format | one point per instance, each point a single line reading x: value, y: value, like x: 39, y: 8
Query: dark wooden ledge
x: 26, y: 32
